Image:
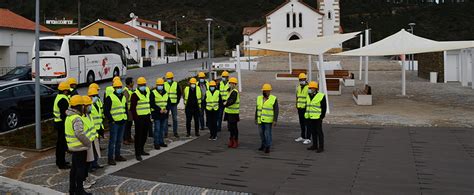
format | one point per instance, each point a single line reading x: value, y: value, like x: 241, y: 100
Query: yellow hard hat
x: 94, y: 85
x: 92, y: 92
x: 116, y: 78
x: 313, y: 85
x: 87, y: 100
x: 72, y: 81
x: 201, y: 75
x: 64, y: 86
x: 193, y: 80
x: 76, y: 100
x: 117, y: 83
x: 212, y: 83
x: 225, y: 74
x: 302, y: 76
x: 233, y: 80
x: 266, y: 87
x: 160, y: 81
x: 169, y: 75
x: 141, y: 81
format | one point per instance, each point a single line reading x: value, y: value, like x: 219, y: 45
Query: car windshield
x: 51, y: 44
x: 18, y: 71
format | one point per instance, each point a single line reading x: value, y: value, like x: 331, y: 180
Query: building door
x: 82, y: 69
x: 452, y: 67
x: 21, y: 58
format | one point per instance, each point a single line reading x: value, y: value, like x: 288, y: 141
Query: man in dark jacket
x: 61, y: 104
x: 141, y: 111
x: 160, y: 105
x: 192, y: 102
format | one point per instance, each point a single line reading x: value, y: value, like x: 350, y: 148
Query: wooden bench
x: 290, y: 76
x: 333, y: 86
x: 339, y: 74
x: 363, y: 97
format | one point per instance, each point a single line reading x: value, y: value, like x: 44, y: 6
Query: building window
x: 329, y: 15
x: 301, y: 20
x: 143, y: 52
x: 294, y: 20
x: 288, y: 20
x: 259, y: 42
x: 101, y: 32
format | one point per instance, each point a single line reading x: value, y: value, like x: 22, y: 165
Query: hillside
x: 439, y: 22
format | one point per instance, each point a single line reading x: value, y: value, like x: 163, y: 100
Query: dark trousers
x: 77, y: 174
x: 316, y: 127
x: 127, y: 135
x: 202, y: 112
x: 95, y: 163
x: 142, y: 126
x: 220, y: 114
x: 212, y: 122
x: 305, y: 132
x: 234, y: 130
x: 190, y: 115
x: 61, y: 145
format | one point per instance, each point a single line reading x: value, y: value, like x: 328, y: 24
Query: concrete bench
x: 363, y: 97
x: 333, y: 86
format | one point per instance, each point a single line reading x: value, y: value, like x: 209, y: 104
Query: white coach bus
x: 86, y: 58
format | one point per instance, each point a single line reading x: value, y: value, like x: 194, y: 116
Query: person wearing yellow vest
x: 232, y: 111
x: 78, y: 143
x: 192, y: 104
x: 97, y: 118
x: 141, y: 111
x: 115, y: 111
x: 174, y: 93
x: 99, y: 105
x: 204, y: 86
x: 301, y: 94
x: 91, y: 133
x: 224, y: 91
x: 315, y: 112
x: 61, y: 104
x: 73, y: 85
x: 128, y: 91
x: 110, y: 89
x: 212, y: 103
x: 266, y: 116
x: 160, y: 105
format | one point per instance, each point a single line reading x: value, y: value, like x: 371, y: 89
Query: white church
x: 294, y: 20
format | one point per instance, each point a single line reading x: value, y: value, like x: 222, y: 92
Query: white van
x: 86, y: 58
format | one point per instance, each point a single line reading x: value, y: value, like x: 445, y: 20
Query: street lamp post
x: 209, y: 21
x: 177, y: 43
x: 412, y: 56
x: 79, y: 17
x: 37, y: 80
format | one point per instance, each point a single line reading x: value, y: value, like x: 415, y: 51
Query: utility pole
x: 79, y: 17
x: 37, y: 79
x: 177, y: 50
x: 209, y: 21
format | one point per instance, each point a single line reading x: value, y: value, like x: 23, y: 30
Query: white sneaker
x: 307, y: 141
x: 299, y: 139
x: 89, y: 182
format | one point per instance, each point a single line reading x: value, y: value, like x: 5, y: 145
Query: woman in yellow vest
x: 224, y: 91
x: 97, y: 103
x: 78, y: 143
x: 315, y: 113
x: 266, y: 116
x: 301, y: 93
x: 213, y: 101
x: 61, y: 104
x: 192, y: 103
x: 92, y: 134
x: 96, y: 116
x: 141, y: 112
x: 160, y: 106
x: 232, y: 110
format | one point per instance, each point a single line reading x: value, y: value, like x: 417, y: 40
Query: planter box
x: 348, y: 82
x: 363, y: 100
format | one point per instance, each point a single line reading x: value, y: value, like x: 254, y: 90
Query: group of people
x: 79, y: 120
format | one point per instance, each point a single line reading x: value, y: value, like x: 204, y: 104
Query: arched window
x: 294, y: 20
x: 329, y: 15
x: 301, y: 20
x: 294, y: 37
x: 287, y: 20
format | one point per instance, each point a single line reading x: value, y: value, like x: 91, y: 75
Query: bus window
x: 50, y: 44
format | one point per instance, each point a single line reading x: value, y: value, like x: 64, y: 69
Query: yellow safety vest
x: 313, y: 106
x: 160, y: 100
x: 109, y: 90
x: 96, y: 114
x: 130, y: 92
x: 212, y: 100
x: 71, y: 139
x: 265, y: 112
x: 172, y: 91
x: 224, y: 90
x: 56, y: 111
x: 301, y: 94
x: 198, y: 95
x: 117, y: 110
x: 89, y: 127
x: 234, y: 108
x: 143, y: 104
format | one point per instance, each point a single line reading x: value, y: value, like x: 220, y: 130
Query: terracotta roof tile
x: 147, y: 21
x: 251, y: 30
x: 130, y: 30
x: 15, y: 21
x: 162, y: 33
x: 66, y: 31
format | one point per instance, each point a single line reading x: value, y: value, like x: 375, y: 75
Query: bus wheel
x: 116, y: 72
x: 90, y: 77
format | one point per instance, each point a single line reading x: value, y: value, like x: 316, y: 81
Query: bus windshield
x: 50, y: 44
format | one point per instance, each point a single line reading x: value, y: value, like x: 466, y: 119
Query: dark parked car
x: 17, y: 103
x: 20, y: 73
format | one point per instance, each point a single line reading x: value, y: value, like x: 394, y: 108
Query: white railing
x: 171, y: 59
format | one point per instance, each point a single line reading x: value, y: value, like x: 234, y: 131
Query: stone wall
x: 430, y: 62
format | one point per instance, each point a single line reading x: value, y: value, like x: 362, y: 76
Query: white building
x: 17, y: 36
x: 294, y: 20
x: 459, y: 66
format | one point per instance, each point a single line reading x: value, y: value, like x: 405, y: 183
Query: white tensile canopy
x: 402, y: 43
x: 314, y: 46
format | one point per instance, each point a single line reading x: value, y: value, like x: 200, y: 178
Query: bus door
x: 82, y: 69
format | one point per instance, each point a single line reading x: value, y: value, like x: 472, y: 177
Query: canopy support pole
x: 403, y: 76
x: 366, y: 58
x: 290, y: 63
x: 361, y: 43
x: 239, y: 69
x: 472, y: 67
x: 310, y: 72
x: 322, y: 80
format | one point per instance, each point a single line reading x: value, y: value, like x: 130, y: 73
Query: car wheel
x: 12, y: 120
x: 90, y: 77
x: 116, y: 72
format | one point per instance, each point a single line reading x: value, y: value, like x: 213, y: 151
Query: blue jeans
x: 220, y: 113
x: 265, y: 130
x: 174, y: 114
x: 115, y: 141
x: 160, y: 126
